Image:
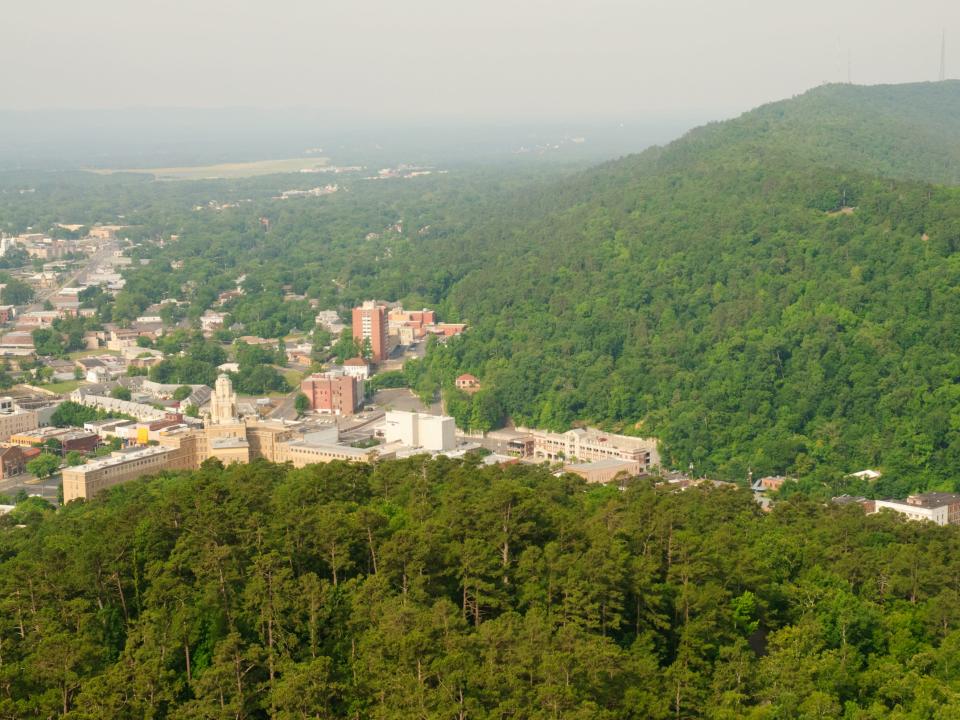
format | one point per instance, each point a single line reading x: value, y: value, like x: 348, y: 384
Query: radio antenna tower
x: 943, y: 56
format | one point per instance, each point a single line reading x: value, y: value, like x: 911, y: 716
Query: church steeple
x: 223, y: 402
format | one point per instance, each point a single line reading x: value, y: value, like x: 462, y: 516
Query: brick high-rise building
x: 333, y: 392
x: 370, y: 323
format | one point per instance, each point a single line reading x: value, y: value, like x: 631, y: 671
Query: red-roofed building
x: 468, y: 383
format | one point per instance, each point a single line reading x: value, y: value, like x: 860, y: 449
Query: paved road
x: 79, y: 276
x: 48, y: 489
x: 285, y: 410
x: 403, y: 399
x: 359, y: 428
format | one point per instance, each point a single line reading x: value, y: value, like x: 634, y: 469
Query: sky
x: 490, y: 60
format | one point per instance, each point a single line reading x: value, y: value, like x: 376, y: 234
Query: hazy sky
x: 486, y: 59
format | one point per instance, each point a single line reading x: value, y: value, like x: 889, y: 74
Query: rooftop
x: 225, y: 443
x: 118, y: 458
x: 359, y: 453
x: 932, y: 499
x: 605, y: 464
x: 849, y: 499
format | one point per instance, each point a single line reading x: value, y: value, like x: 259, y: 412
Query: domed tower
x: 223, y: 403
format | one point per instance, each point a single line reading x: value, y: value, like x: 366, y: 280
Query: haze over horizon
x: 429, y: 60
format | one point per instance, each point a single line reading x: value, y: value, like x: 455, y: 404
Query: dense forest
x: 445, y: 589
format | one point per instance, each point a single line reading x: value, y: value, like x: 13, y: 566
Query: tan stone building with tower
x: 225, y: 436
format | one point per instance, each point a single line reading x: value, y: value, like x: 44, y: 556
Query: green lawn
x: 293, y: 377
x: 67, y: 386
x: 88, y: 353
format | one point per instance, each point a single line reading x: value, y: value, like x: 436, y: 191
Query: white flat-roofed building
x: 436, y: 433
x: 936, y: 507
x: 108, y: 428
x: 357, y: 367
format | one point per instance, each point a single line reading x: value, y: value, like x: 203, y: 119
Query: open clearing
x: 226, y: 171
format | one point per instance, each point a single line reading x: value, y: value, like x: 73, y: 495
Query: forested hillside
x: 901, y: 131
x: 756, y: 294
x: 439, y: 589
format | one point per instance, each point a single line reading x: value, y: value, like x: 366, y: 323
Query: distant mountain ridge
x: 908, y: 131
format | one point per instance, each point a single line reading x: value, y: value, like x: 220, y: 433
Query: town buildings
x: 590, y: 444
x: 12, y: 461
x: 357, y: 367
x: 212, y: 321
x: 301, y: 452
x: 90, y: 397
x: 330, y: 320
x: 512, y: 442
x: 85, y: 481
x: 14, y: 420
x: 410, y: 325
x: 370, y: 326
x: 385, y: 326
x: 772, y: 483
x: 602, y: 471
x: 36, y: 436
x: 936, y: 507
x: 38, y: 319
x: 226, y: 436
x: 335, y: 392
x: 436, y: 433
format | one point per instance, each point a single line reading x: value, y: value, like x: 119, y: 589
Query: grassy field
x: 293, y: 377
x: 89, y: 353
x: 67, y: 386
x: 226, y: 171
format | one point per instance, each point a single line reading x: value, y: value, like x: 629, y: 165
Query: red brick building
x: 333, y: 392
x: 12, y: 461
x: 80, y: 440
x: 370, y: 323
